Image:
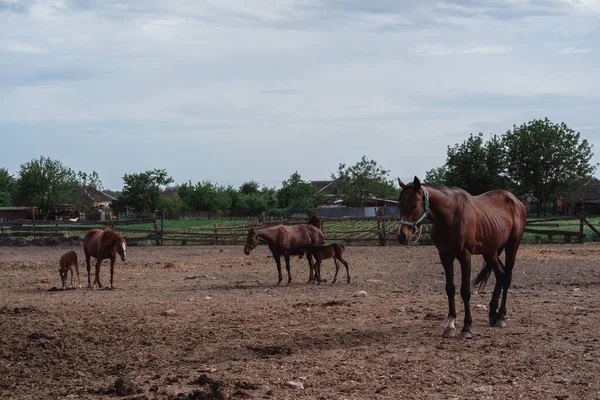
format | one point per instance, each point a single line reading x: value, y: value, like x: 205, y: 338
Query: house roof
x: 96, y: 195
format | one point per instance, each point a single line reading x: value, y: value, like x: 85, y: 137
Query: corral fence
x: 379, y: 230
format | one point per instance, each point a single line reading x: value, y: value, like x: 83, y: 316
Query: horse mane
x: 108, y: 236
x: 315, y: 221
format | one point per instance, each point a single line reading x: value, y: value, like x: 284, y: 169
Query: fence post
x: 581, y: 222
x: 34, y: 224
x: 156, y: 238
x: 162, y: 225
x: 216, y: 235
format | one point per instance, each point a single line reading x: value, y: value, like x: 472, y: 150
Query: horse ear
x: 417, y: 183
x: 402, y: 184
x: 252, y: 229
x: 124, y: 237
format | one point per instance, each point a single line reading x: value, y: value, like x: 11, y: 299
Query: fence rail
x: 379, y: 230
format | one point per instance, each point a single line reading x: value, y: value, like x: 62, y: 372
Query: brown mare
x: 324, y: 252
x: 286, y: 241
x: 464, y: 225
x: 103, y: 244
x: 67, y: 261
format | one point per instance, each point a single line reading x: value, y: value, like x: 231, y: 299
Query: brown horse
x: 67, y: 261
x: 464, y: 225
x: 286, y: 241
x: 103, y: 244
x: 324, y: 252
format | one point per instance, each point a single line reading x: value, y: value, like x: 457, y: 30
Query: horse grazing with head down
x: 103, y: 244
x: 464, y: 225
x: 286, y: 241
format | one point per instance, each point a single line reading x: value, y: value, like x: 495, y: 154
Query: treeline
x: 538, y: 158
x: 47, y: 183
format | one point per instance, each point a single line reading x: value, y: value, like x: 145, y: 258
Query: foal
x: 67, y: 261
x: 324, y: 252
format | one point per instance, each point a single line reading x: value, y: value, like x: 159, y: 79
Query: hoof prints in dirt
x: 17, y: 310
x: 271, y: 351
x: 211, y: 390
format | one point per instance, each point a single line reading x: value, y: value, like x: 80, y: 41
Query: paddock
x: 210, y: 312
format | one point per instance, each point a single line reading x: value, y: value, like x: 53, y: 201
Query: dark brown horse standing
x: 103, y: 244
x: 464, y: 225
x: 286, y: 241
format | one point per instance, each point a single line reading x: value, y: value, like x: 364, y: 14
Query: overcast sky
x: 238, y: 90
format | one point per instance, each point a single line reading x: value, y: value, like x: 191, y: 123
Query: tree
x: 80, y: 197
x: 361, y: 181
x: 45, y: 183
x: 252, y: 203
x: 251, y: 187
x: 7, y: 185
x: 545, y: 159
x: 143, y: 190
x: 297, y: 195
x: 436, y: 176
x: 474, y: 165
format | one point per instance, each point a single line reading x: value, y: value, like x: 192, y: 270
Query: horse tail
x: 483, y: 275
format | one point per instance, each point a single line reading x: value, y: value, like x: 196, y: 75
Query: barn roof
x: 96, y: 195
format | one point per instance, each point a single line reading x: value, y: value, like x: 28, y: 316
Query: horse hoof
x: 500, y: 324
x: 466, y: 335
x: 492, y: 321
x: 449, y: 333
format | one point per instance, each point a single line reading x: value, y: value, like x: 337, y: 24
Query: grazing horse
x: 286, y: 241
x: 103, y: 244
x: 67, y: 261
x: 324, y: 252
x: 464, y: 225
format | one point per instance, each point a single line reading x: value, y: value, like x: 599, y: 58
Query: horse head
x: 252, y: 240
x: 121, y: 247
x: 413, y: 206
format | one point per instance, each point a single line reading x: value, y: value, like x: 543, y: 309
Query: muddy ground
x: 208, y: 322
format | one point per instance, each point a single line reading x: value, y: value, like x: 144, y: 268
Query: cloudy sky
x: 232, y: 90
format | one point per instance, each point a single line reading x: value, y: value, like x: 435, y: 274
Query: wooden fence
x: 379, y: 230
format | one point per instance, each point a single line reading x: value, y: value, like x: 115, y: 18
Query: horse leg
x: 287, y: 267
x: 493, y: 313
x: 311, y: 266
x: 87, y: 262
x: 511, y: 255
x: 465, y: 293
x: 448, y: 264
x: 97, y: 278
x: 112, y: 271
x: 71, y: 270
x: 278, y: 262
x: 337, y: 268
x: 347, y: 269
x: 77, y: 270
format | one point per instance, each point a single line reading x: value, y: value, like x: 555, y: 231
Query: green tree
x: 251, y: 187
x: 45, y: 183
x: 545, y: 159
x: 7, y: 185
x: 297, y: 195
x: 252, y: 203
x: 143, y: 190
x: 474, y: 165
x: 436, y: 176
x: 361, y: 181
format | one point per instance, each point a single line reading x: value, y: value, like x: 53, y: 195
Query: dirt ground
x: 208, y: 322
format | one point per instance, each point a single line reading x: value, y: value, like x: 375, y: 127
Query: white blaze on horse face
x: 124, y: 251
x: 450, y: 323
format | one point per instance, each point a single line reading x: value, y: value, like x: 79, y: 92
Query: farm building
x: 375, y: 206
x: 19, y: 213
x: 587, y: 196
